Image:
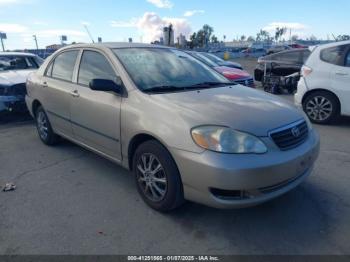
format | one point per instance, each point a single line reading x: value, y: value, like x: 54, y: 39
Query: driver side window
x: 94, y: 65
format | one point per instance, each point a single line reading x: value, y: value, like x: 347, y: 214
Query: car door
x: 95, y: 115
x: 57, y: 90
x: 341, y: 79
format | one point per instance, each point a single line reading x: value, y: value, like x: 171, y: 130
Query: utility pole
x: 36, y: 42
x: 2, y: 37
x: 87, y: 30
x: 2, y: 44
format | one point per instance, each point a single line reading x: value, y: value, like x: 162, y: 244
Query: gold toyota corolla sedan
x: 185, y: 131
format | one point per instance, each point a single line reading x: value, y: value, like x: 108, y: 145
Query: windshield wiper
x: 210, y: 85
x: 170, y: 88
x: 164, y: 88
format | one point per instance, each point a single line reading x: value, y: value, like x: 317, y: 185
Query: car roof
x: 347, y: 42
x: 16, y: 54
x: 114, y: 45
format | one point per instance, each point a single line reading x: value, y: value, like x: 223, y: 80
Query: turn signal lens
x: 305, y: 71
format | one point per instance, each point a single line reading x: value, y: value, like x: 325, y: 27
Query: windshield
x: 19, y: 62
x: 166, y: 69
x: 214, y: 58
x: 204, y: 59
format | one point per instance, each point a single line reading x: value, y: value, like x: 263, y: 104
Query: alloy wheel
x: 151, y: 177
x: 319, y: 108
x: 42, y: 125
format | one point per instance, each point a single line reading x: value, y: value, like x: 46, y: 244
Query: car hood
x: 238, y: 107
x: 14, y: 77
x: 232, y: 73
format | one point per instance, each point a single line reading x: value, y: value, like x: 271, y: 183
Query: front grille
x: 18, y: 90
x: 246, y: 82
x: 15, y: 90
x: 291, y: 136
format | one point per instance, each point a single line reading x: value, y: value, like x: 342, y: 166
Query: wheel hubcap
x: 151, y: 177
x: 319, y: 108
x: 42, y: 125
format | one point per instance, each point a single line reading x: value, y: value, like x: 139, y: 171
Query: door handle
x: 341, y: 74
x: 75, y: 93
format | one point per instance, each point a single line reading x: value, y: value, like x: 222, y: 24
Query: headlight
x: 227, y: 140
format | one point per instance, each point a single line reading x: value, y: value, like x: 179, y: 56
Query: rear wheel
x: 157, y: 177
x: 321, y: 107
x: 45, y: 132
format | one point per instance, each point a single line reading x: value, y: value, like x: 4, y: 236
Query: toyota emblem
x: 296, y: 132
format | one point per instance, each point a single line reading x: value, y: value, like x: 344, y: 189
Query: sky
x: 143, y: 20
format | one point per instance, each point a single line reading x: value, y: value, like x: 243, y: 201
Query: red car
x: 235, y: 75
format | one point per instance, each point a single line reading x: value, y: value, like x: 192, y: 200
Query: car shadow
x: 14, y: 117
x: 344, y: 121
x: 298, y: 221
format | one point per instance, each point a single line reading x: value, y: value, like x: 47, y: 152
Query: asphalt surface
x: 71, y: 201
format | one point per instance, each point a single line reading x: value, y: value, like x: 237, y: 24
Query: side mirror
x: 106, y: 85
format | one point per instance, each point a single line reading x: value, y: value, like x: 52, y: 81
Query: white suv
x: 324, y: 88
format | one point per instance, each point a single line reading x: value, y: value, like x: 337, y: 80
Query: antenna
x: 87, y: 30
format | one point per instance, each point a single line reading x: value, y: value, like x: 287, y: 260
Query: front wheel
x: 45, y: 132
x: 321, y: 107
x: 157, y: 177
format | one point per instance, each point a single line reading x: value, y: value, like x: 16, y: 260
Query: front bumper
x: 10, y: 103
x: 301, y: 90
x: 259, y: 177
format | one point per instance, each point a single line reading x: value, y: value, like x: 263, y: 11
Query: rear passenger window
x: 333, y: 55
x: 94, y: 65
x: 63, y: 65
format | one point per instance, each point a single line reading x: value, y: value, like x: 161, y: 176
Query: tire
x: 258, y: 75
x: 161, y: 190
x: 321, y: 107
x: 45, y: 132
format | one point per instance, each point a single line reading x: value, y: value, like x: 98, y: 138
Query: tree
x: 193, y: 40
x: 207, y: 31
x: 203, y: 36
x: 243, y: 37
x: 263, y: 36
x: 343, y: 38
x: 280, y: 31
x: 250, y: 39
x: 312, y: 38
x: 214, y: 39
x: 295, y: 37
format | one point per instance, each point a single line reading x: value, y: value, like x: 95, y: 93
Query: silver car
x: 182, y: 129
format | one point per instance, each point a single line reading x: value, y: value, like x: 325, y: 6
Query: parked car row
x: 234, y: 72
